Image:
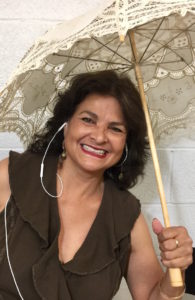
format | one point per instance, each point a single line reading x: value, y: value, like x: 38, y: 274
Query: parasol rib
x: 156, y: 31
x: 175, y: 274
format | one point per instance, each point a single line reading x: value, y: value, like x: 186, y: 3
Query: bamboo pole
x: 175, y: 274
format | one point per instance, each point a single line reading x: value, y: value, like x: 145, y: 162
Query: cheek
x: 73, y: 136
x: 120, y: 154
x: 120, y: 143
x: 69, y: 140
x: 119, y: 148
x: 71, y: 132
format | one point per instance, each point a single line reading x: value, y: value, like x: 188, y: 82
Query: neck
x: 79, y: 183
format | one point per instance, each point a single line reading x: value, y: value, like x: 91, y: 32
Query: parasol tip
x: 122, y: 37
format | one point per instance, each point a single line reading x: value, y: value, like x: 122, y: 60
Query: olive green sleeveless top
x: 98, y: 266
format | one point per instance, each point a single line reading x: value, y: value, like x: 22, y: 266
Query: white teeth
x: 90, y: 149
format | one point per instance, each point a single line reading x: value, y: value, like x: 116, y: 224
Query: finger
x: 177, y: 253
x: 174, y: 232
x: 182, y: 262
x: 169, y: 245
x: 157, y: 226
x: 172, y: 244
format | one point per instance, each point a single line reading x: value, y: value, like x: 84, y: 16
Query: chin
x: 91, y: 168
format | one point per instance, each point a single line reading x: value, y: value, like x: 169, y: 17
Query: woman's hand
x: 175, y: 245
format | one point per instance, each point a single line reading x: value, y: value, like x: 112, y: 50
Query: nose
x: 99, y: 135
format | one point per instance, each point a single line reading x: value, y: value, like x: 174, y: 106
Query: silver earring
x: 120, y: 176
x: 125, y: 157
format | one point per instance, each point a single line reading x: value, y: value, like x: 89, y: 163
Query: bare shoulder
x: 4, y: 183
x: 4, y: 177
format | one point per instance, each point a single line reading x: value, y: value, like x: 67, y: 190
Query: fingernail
x: 154, y: 219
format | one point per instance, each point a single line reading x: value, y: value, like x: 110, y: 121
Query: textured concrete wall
x: 21, y: 21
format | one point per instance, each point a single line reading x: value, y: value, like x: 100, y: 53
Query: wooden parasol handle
x: 175, y: 274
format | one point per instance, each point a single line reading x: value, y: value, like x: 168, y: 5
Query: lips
x: 100, y: 153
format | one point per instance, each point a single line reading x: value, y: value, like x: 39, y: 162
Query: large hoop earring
x: 120, y: 176
x: 125, y: 157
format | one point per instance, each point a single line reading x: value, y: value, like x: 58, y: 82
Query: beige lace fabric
x: 167, y: 65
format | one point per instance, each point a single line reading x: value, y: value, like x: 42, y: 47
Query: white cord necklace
x: 42, y: 166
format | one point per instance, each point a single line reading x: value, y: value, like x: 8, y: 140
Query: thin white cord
x: 42, y: 165
x: 60, y: 194
x: 7, y: 251
x: 5, y: 211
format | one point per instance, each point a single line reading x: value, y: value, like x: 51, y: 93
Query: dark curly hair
x: 102, y: 83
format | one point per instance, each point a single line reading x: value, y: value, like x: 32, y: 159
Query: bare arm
x: 144, y: 270
x: 4, y: 183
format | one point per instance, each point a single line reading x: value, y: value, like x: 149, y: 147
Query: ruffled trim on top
x: 11, y: 221
x: 33, y: 203
x: 103, y: 244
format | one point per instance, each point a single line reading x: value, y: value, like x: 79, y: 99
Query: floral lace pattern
x: 167, y: 59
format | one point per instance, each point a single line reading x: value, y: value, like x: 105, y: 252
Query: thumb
x: 157, y: 226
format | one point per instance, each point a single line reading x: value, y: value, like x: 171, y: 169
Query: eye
x: 87, y: 120
x: 116, y: 129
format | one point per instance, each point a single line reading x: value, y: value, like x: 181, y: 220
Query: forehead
x: 101, y: 105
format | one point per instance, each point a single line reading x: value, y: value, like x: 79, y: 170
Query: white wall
x: 21, y: 21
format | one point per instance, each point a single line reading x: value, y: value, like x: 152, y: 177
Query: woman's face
x: 96, y: 134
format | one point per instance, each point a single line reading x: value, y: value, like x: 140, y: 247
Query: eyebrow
x: 89, y: 113
x: 114, y: 123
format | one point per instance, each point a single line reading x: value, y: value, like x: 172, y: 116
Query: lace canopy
x: 165, y: 38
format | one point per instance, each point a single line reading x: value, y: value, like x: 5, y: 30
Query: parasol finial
x: 121, y: 37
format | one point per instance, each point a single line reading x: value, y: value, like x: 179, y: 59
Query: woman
x: 76, y: 232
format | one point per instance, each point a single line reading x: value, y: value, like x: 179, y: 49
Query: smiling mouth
x: 101, y: 153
